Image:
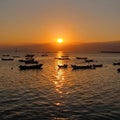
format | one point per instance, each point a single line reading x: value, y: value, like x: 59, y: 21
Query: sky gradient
x: 43, y: 21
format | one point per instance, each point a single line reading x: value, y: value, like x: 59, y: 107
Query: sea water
x: 60, y: 94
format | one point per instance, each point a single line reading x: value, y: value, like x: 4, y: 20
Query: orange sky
x: 36, y: 22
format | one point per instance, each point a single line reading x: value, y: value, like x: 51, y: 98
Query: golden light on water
x: 60, y: 81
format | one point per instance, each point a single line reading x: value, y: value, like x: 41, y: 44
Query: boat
x: 29, y: 58
x: 6, y: 55
x: 89, y: 60
x: 118, y: 69
x: 75, y: 67
x: 27, y: 67
x: 63, y: 66
x: 7, y: 59
x: 63, y: 58
x: 26, y: 60
x: 117, y: 63
x: 83, y: 58
x: 31, y: 62
x: 22, y: 60
x: 97, y: 65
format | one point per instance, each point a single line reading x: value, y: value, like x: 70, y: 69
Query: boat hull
x: 25, y: 67
x: 7, y: 59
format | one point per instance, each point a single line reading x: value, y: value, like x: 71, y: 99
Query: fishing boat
x: 26, y: 60
x: 27, y: 67
x: 97, y: 65
x: 89, y: 60
x: 75, y: 67
x: 6, y: 55
x: 29, y: 59
x: 7, y: 59
x: 63, y: 58
x: 117, y: 63
x: 31, y: 62
x: 63, y: 66
x: 118, y: 69
x: 83, y: 58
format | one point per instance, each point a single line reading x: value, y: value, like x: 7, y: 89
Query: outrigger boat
x: 63, y: 58
x: 97, y: 65
x: 63, y: 66
x: 94, y: 66
x: 82, y: 58
x: 118, y: 63
x: 7, y: 59
x: 75, y: 67
x: 29, y: 59
x: 118, y: 69
x: 27, y: 67
x: 89, y: 60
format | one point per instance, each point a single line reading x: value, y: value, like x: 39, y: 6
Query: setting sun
x: 59, y: 40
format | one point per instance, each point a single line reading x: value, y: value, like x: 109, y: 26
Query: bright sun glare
x: 59, y: 40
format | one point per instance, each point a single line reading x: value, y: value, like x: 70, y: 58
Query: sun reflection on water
x: 59, y: 82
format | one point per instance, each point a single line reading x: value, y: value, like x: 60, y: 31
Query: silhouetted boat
x: 6, y: 55
x: 84, y: 58
x: 63, y: 66
x: 26, y: 60
x: 97, y: 65
x: 63, y: 58
x: 26, y: 67
x: 118, y: 63
x: 31, y: 62
x: 89, y: 60
x: 118, y: 69
x: 29, y: 58
x: 75, y: 67
x: 7, y: 59
x: 22, y: 60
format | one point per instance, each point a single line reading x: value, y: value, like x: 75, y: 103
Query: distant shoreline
x: 110, y: 51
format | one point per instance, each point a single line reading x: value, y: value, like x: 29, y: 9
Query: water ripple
x: 60, y: 94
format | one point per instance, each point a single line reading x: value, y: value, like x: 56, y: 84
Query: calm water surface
x: 60, y: 94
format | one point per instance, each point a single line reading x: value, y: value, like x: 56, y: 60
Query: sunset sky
x: 43, y: 21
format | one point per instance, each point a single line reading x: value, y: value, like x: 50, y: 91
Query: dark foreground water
x: 60, y: 94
